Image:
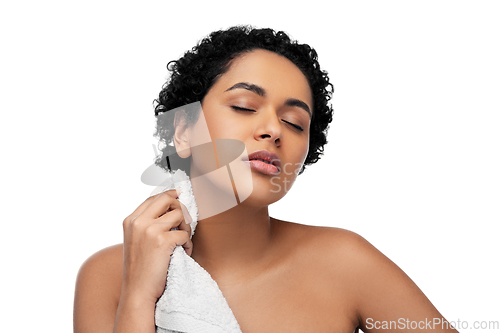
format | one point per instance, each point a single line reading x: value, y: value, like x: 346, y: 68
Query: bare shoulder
x: 334, y: 244
x: 364, y: 281
x: 103, y: 265
x: 342, y: 254
x: 98, y: 286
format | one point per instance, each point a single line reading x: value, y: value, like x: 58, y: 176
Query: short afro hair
x: 192, y: 76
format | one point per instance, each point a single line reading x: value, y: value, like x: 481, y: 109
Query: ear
x: 182, y: 134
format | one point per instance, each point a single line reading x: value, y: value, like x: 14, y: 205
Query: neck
x: 234, y: 243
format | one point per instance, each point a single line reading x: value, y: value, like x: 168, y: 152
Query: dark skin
x: 276, y: 276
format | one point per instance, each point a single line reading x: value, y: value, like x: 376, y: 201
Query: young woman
x: 260, y: 88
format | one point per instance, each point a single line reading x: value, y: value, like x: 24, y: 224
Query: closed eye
x: 239, y: 108
x: 294, y: 125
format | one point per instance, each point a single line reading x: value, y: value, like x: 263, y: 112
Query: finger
x: 185, y: 212
x: 160, y: 205
x: 173, y: 193
x: 174, y: 237
x: 174, y: 219
x: 180, y: 239
x: 188, y: 247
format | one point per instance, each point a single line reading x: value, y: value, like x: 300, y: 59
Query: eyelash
x: 238, y: 108
x: 294, y: 125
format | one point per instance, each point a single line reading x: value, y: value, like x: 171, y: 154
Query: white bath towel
x: 192, y: 301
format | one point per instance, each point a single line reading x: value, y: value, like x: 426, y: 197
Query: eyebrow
x: 298, y: 103
x: 262, y: 92
x: 248, y: 86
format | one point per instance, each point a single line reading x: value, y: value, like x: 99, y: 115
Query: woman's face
x: 264, y: 101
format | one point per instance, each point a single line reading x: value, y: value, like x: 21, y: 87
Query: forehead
x: 273, y: 72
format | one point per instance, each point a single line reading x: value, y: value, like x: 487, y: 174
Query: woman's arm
x: 98, y: 298
x: 117, y: 288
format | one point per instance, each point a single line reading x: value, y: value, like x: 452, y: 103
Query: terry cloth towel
x: 192, y: 301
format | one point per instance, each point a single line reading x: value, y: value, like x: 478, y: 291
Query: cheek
x: 226, y: 126
x: 305, y: 151
x: 289, y: 170
x: 215, y: 123
x: 297, y: 150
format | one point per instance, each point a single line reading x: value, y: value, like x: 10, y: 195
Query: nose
x: 269, y: 128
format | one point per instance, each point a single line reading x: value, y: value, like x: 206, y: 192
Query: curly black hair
x: 197, y: 70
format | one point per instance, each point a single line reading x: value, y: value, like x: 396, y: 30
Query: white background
x: 411, y: 165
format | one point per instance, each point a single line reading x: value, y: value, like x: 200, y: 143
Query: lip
x: 272, y: 166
